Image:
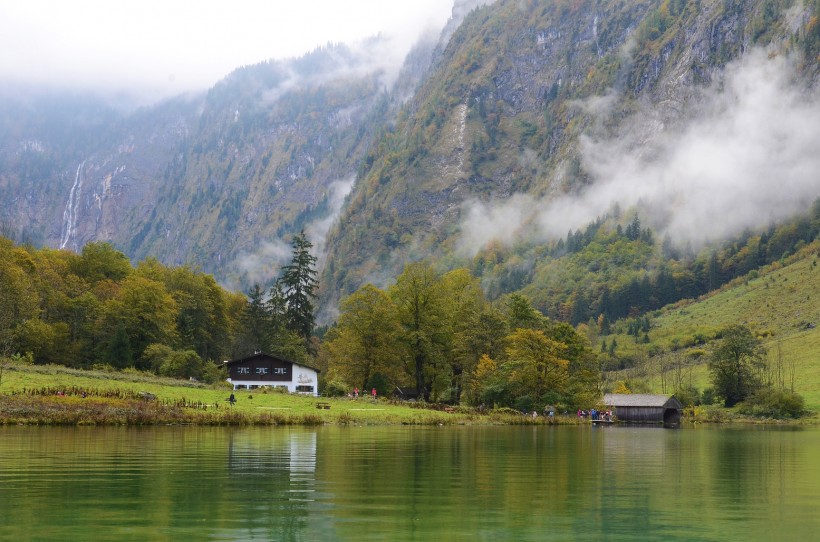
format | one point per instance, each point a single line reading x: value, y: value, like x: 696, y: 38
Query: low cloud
x: 379, y: 56
x: 749, y: 156
x: 153, y: 49
x: 262, y: 267
x: 502, y: 221
x: 317, y: 230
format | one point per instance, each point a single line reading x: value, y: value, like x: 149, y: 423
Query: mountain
x: 520, y: 131
x: 522, y: 121
x: 204, y: 179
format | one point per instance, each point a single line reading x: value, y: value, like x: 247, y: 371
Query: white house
x: 262, y: 369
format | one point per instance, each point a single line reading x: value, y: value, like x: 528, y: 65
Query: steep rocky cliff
x: 511, y: 101
x: 213, y: 180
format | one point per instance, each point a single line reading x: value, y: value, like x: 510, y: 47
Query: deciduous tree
x: 732, y: 367
x: 147, y: 311
x: 464, y: 305
x: 537, y: 364
x: 365, y: 339
x: 418, y: 296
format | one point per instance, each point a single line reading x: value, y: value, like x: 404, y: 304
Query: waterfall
x: 71, y: 207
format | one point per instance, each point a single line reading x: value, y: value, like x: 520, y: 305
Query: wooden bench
x: 321, y: 405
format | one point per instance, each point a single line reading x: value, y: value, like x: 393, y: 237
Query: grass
x: 54, y: 395
x: 779, y: 303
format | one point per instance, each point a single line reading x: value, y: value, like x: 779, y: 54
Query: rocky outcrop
x: 510, y: 97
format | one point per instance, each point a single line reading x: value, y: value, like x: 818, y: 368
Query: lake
x: 409, y: 483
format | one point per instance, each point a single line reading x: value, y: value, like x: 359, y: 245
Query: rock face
x: 200, y: 179
x: 509, y: 100
x: 116, y: 186
x: 495, y: 108
x: 93, y: 174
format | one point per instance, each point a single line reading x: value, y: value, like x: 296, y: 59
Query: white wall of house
x: 305, y: 380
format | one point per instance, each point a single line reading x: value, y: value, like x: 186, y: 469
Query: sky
x: 167, y: 47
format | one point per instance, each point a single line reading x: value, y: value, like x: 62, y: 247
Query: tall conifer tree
x: 298, y: 283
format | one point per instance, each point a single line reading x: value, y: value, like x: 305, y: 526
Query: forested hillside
x: 438, y: 334
x: 96, y: 310
x: 523, y: 122
x: 542, y: 118
x: 669, y: 350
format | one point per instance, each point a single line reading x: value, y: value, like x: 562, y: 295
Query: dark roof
x: 641, y: 400
x: 264, y: 355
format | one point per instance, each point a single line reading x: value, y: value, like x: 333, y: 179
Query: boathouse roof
x: 641, y: 400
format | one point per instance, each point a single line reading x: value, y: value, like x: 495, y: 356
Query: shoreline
x: 55, y: 410
x: 52, y: 395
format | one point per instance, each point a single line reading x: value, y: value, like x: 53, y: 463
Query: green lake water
x: 409, y: 483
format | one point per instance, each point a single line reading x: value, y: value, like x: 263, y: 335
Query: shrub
x: 181, y: 364
x: 524, y: 403
x: 773, y: 403
x: 697, y: 353
x: 335, y: 388
x: 688, y: 396
x: 709, y: 397
x: 213, y: 373
x: 495, y: 394
x: 24, y: 359
x: 711, y: 414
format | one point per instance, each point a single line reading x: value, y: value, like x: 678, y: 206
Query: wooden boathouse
x: 644, y: 408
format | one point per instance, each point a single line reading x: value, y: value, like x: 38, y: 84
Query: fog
x: 317, y: 230
x: 263, y: 265
x: 378, y: 55
x: 747, y: 156
x: 156, y: 49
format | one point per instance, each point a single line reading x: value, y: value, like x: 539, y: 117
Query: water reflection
x: 273, y: 481
x: 399, y: 483
x: 282, y: 452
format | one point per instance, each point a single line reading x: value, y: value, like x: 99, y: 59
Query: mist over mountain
x: 538, y: 119
x: 746, y: 156
x: 210, y: 179
x: 521, y: 121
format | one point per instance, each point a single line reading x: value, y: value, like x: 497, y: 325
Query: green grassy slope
x: 779, y: 303
x: 29, y: 395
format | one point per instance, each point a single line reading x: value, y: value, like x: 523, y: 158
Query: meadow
x: 779, y: 303
x: 56, y: 395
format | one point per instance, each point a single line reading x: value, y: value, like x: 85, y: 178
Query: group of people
x: 355, y: 394
x: 593, y: 414
x: 549, y: 412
